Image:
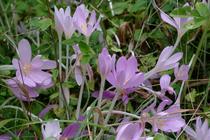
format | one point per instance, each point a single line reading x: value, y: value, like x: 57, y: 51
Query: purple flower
x: 167, y: 59
x: 30, y: 72
x: 181, y: 73
x: 130, y: 131
x: 125, y: 74
x: 105, y: 62
x: 46, y: 110
x: 201, y: 132
x: 22, y: 92
x: 81, y: 16
x: 165, y: 81
x: 5, y: 137
x: 52, y: 130
x: 169, y: 120
x: 64, y: 22
x: 78, y: 66
x: 176, y: 22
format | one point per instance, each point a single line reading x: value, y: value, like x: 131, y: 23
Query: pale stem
x: 108, y: 114
x: 60, y: 70
x: 80, y: 99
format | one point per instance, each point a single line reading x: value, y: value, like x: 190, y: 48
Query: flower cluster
x: 82, y: 20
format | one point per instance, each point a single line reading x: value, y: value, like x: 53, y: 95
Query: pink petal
x: 78, y: 75
x: 24, y: 49
x: 48, y: 64
x: 168, y: 19
x: 165, y: 81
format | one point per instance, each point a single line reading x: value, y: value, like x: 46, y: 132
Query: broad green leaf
x: 42, y: 24
x: 120, y: 7
x: 202, y: 9
x: 197, y: 22
x: 183, y: 12
x: 160, y: 137
x: 138, y: 6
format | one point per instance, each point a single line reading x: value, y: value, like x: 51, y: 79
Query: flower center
x: 84, y: 27
x: 26, y: 69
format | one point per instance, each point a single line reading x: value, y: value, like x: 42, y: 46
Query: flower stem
x: 67, y: 59
x: 80, y: 100
x: 108, y: 114
x: 101, y: 91
x: 60, y: 70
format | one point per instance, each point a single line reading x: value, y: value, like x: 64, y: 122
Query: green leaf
x: 183, y: 12
x: 70, y: 84
x: 120, y: 7
x: 160, y: 137
x: 42, y: 24
x: 115, y: 49
x: 197, y: 22
x: 87, y: 52
x: 138, y: 6
x: 202, y: 9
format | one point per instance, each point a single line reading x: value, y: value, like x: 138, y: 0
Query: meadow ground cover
x: 104, y: 70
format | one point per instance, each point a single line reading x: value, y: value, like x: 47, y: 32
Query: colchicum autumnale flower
x: 81, y: 16
x: 201, y: 132
x: 181, y: 73
x: 64, y: 22
x: 30, y: 72
x: 169, y: 120
x: 167, y: 60
x: 165, y: 81
x: 176, y: 22
x: 22, y: 92
x: 125, y: 74
x: 105, y: 62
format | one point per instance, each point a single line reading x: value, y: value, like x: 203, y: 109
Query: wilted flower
x: 52, y: 130
x: 201, y: 132
x: 167, y: 60
x: 22, y: 92
x: 176, y: 22
x: 181, y: 73
x: 165, y: 81
x: 64, y: 22
x: 105, y: 62
x: 125, y: 74
x: 30, y: 72
x: 81, y: 16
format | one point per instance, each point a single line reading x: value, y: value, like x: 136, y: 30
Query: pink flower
x: 30, y: 72
x: 81, y: 16
x: 52, y: 130
x: 201, y: 132
x: 22, y: 92
x: 176, y: 22
x: 78, y: 66
x: 169, y: 120
x: 130, y: 131
x: 181, y: 73
x: 64, y: 22
x: 125, y: 74
x: 105, y: 62
x: 167, y: 60
x: 165, y: 81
